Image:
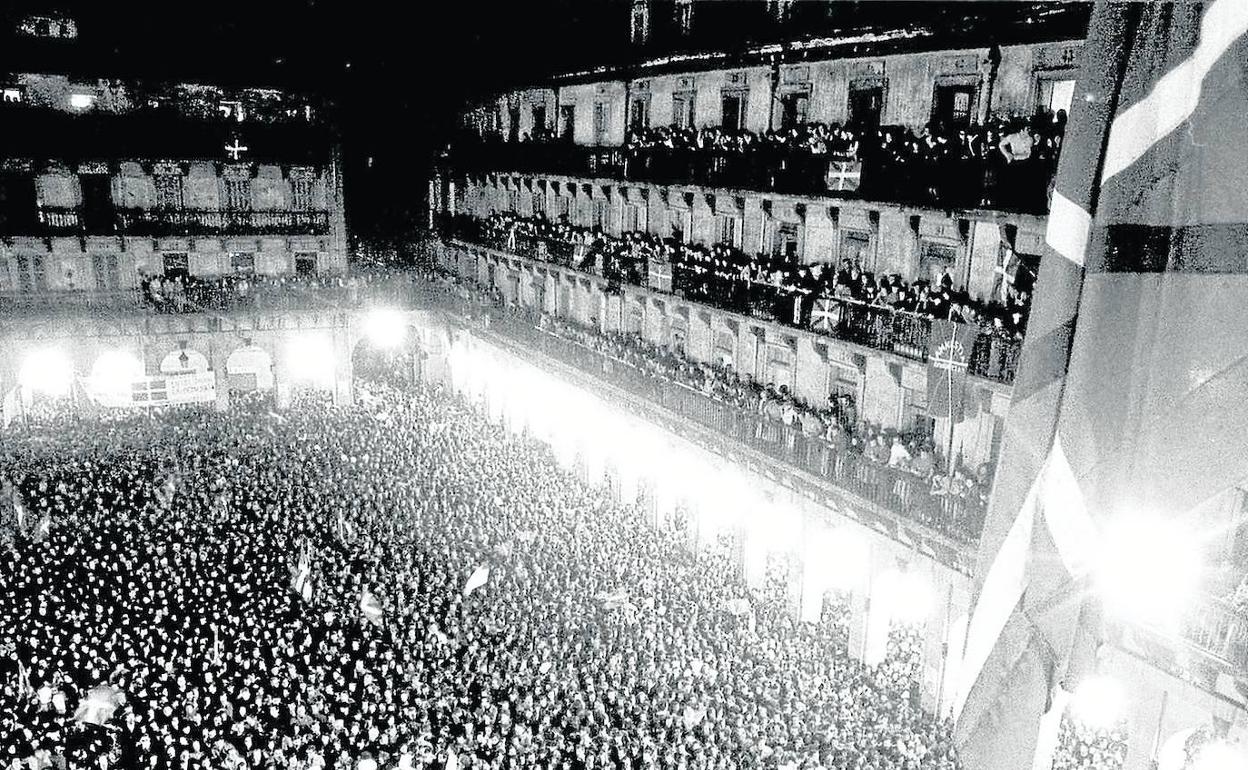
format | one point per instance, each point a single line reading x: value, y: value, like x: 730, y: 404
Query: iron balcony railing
x: 905, y: 494
x: 59, y: 221
x: 980, y: 183
x: 221, y: 222
x: 993, y: 356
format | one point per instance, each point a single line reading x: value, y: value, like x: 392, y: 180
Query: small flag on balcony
x: 844, y: 175
x: 948, y: 355
x: 825, y: 316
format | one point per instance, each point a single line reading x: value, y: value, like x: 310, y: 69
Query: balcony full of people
x: 884, y: 312
x: 1005, y: 163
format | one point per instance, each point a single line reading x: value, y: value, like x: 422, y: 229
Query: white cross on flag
x: 844, y: 175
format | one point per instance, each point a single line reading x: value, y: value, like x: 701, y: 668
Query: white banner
x: 156, y: 390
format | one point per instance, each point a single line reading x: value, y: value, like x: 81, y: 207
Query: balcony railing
x: 973, y: 184
x: 216, y: 222
x: 1217, y: 628
x: 902, y: 493
x: 994, y: 357
x: 54, y: 221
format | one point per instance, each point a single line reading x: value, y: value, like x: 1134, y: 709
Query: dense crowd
x: 726, y: 277
x: 320, y: 589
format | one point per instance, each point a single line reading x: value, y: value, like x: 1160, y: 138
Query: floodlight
x: 1220, y: 755
x: 845, y: 557
x: 1149, y: 569
x: 1098, y: 703
x: 385, y: 327
x: 47, y: 371
x: 311, y: 359
x: 906, y: 597
x: 115, y: 371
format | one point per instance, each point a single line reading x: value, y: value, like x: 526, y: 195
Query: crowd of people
x: 836, y: 422
x: 726, y: 277
x: 1006, y: 162
x: 396, y: 584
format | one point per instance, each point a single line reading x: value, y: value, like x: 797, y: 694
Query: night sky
x: 399, y: 71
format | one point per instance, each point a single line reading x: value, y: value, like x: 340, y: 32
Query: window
x: 539, y: 205
x: 305, y: 263
x: 684, y: 16
x: 842, y: 381
x: 238, y: 194
x: 513, y: 201
x: 1053, y: 95
x: 914, y: 414
x: 725, y: 348
x: 729, y: 230
x: 81, y: 101
x: 169, y: 191
x: 599, y: 214
x: 952, y: 105
x: 31, y: 273
x: 243, y: 263
x: 12, y: 94
x: 601, y: 117
x: 560, y: 208
x: 866, y: 103
x: 734, y: 110
x: 107, y: 275
x: 681, y: 223
x: 232, y: 111
x: 639, y: 113
x: 779, y: 367
x: 683, y: 110
x: 176, y: 264
x: 302, y: 194
x: 935, y: 258
x: 639, y: 26
x: 539, y: 118
x: 786, y: 242
x: 567, y: 121
x: 634, y: 218
x: 856, y: 246
x: 793, y: 110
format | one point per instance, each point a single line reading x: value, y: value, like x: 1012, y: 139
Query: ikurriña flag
x: 1129, y: 397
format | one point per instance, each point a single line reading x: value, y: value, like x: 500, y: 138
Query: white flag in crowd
x: 99, y: 705
x: 370, y: 607
x: 478, y: 578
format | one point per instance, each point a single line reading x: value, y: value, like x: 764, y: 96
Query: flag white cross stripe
x: 1174, y: 97
x: 1073, y: 532
x: 1068, y: 229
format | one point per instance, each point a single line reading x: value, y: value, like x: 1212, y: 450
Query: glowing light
x: 81, y: 101
x: 906, y: 597
x: 846, y: 560
x: 1220, y: 755
x: 115, y: 371
x: 1149, y: 569
x: 311, y: 359
x: 385, y: 327
x: 47, y: 371
x: 1098, y: 703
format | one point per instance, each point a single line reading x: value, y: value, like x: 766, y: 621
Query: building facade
x: 105, y: 184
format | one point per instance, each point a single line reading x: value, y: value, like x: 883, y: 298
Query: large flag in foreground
x: 1129, y: 399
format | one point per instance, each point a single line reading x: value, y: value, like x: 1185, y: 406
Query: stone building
x: 105, y: 182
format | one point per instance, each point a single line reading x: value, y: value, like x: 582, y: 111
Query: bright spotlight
x: 1098, y: 703
x: 115, y: 371
x: 1220, y: 755
x: 47, y: 371
x: 385, y: 327
x: 1149, y: 569
x: 844, y: 554
x: 311, y: 359
x: 906, y: 596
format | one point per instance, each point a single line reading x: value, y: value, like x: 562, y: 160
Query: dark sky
x: 397, y: 70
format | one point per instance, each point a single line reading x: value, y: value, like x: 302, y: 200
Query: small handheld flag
x: 370, y: 608
x: 478, y: 578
